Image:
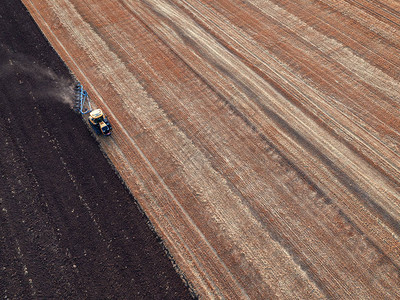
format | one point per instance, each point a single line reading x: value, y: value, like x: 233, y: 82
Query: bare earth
x: 69, y: 228
x: 260, y: 137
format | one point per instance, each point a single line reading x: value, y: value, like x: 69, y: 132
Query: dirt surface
x: 69, y: 229
x: 261, y: 137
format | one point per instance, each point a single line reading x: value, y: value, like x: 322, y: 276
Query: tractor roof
x: 97, y: 113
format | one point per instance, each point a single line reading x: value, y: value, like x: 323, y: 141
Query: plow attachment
x: 82, y: 102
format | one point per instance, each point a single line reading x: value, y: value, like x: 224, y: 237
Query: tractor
x: 99, y: 122
x: 97, y: 119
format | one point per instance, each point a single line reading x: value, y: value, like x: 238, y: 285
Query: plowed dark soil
x: 68, y: 227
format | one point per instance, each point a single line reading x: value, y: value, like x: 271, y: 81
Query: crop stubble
x: 260, y: 137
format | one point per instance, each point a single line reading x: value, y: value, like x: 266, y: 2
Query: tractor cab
x: 99, y: 122
x: 96, y: 116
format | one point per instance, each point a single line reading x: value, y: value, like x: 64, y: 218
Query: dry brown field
x: 261, y: 137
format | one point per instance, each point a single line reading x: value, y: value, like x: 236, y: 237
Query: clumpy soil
x: 68, y: 226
